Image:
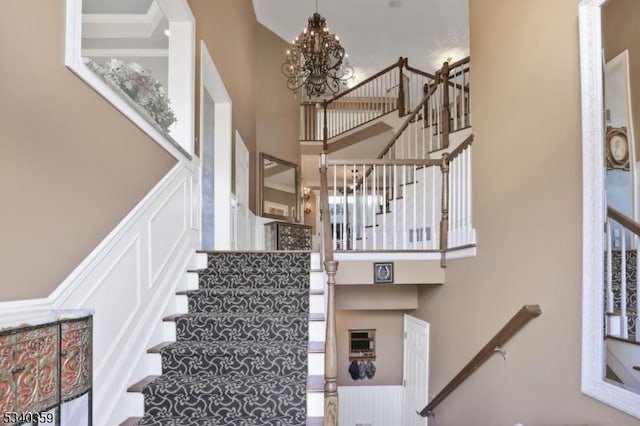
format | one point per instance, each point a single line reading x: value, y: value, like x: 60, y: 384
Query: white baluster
x: 404, y: 207
x: 345, y: 217
x: 623, y: 283
x: 395, y: 210
x: 415, y: 203
x: 355, y: 196
x: 364, y: 207
x: 384, y: 207
x: 335, y: 206
x: 374, y: 205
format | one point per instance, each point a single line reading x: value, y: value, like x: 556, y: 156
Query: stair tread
x: 229, y: 347
x: 313, y: 347
x: 212, y: 421
x: 314, y: 383
x: 138, y: 386
x: 316, y: 317
x: 316, y: 347
x: 236, y: 383
x: 316, y: 292
x: 233, y: 315
x: 243, y: 291
x: 131, y: 421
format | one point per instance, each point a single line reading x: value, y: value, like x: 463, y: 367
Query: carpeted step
x: 221, y: 421
x: 242, y: 327
x: 262, y: 396
x: 262, y: 300
x: 292, y: 261
x: 249, y: 358
x: 253, y: 279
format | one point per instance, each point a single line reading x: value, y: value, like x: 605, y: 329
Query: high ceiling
x: 376, y: 32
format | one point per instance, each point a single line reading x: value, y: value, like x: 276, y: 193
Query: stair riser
x: 258, y: 305
x: 317, y: 331
x: 262, y: 403
x: 256, y: 280
x: 218, y: 421
x: 250, y: 364
x: 267, y: 262
x: 241, y: 329
x: 316, y: 364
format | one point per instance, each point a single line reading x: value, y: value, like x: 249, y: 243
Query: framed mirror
x: 279, y: 188
x: 606, y: 317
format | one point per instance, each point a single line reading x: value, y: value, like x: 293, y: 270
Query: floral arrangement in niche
x: 140, y: 86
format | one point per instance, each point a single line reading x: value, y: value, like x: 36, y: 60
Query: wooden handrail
x: 623, y: 220
x: 384, y: 162
x: 417, y: 71
x: 408, y: 120
x: 366, y: 80
x: 519, y: 320
x: 468, y: 141
x: 460, y: 62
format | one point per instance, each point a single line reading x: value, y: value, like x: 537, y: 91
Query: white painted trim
x: 115, y: 25
x: 135, y: 53
x: 114, y: 281
x: 211, y: 81
x: 385, y: 255
x: 459, y: 254
x: 181, y: 75
x: 593, y: 348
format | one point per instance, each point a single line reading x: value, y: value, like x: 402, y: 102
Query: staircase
x: 241, y: 352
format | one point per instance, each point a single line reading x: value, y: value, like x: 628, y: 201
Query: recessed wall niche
x: 139, y: 55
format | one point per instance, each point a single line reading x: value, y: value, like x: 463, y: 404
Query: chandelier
x: 316, y: 60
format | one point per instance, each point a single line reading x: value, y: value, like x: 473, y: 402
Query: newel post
x: 444, y: 219
x: 331, y: 351
x: 446, y: 112
x: 401, y: 105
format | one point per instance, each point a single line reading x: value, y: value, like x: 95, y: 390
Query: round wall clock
x: 617, y: 148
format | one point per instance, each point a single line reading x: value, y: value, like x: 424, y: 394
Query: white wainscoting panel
x: 166, y: 227
x: 370, y: 405
x: 128, y: 280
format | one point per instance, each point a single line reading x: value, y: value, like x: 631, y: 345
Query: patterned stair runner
x: 240, y: 358
x: 631, y: 260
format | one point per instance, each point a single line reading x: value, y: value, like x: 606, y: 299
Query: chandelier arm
x: 316, y: 60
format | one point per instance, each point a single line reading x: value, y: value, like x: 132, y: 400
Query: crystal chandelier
x: 316, y: 60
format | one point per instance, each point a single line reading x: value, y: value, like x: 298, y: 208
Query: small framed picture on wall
x: 383, y: 272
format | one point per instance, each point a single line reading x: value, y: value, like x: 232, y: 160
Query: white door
x: 243, y: 237
x: 415, y: 370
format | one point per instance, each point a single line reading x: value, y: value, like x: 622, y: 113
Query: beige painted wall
x: 228, y: 28
x: 277, y: 109
x: 71, y: 166
x: 389, y: 327
x: 621, y: 31
x: 527, y: 209
x: 377, y: 297
x: 248, y: 57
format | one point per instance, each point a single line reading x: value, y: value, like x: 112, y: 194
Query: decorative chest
x: 42, y: 366
x: 287, y: 236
